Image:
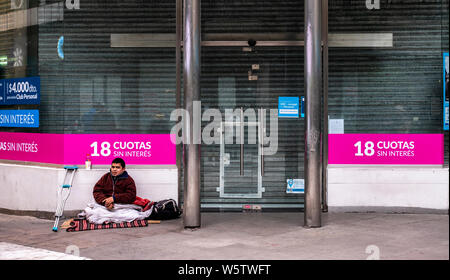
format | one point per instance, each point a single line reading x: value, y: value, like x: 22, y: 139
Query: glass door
x: 245, y: 83
x: 241, y: 158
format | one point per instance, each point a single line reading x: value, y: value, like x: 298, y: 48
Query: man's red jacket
x: 122, y: 189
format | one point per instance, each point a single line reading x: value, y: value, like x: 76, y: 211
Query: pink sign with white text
x: 73, y: 149
x: 393, y: 149
x: 33, y: 147
x: 142, y: 149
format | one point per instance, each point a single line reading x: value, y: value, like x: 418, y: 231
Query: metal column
x: 325, y: 106
x: 192, y: 69
x: 313, y: 83
x: 179, y: 38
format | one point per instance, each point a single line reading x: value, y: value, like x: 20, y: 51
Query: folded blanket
x: 99, y: 214
x: 81, y: 225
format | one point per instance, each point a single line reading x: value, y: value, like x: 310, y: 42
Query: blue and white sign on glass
x: 446, y: 101
x: 20, y: 91
x: 288, y: 107
x: 295, y: 186
x: 19, y: 118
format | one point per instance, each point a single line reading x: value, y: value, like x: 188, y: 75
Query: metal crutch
x: 63, y: 194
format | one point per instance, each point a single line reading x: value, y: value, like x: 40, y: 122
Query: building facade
x: 115, y: 68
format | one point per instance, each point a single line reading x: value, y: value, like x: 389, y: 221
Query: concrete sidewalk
x: 247, y: 236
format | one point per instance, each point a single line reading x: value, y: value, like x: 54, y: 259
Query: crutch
x: 63, y: 194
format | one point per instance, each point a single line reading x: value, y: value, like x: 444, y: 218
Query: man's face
x: 116, y: 169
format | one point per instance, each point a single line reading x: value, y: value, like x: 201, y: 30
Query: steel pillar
x: 192, y: 70
x: 313, y: 83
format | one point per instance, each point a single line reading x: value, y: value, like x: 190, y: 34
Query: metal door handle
x: 262, y: 127
x: 242, y: 141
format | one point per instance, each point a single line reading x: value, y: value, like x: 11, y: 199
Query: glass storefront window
x: 89, y: 85
x: 109, y: 67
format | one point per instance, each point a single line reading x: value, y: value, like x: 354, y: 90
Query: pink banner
x: 33, y: 147
x: 143, y: 149
x: 396, y: 149
x: 73, y: 149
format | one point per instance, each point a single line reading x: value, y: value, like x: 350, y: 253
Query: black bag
x: 165, y: 210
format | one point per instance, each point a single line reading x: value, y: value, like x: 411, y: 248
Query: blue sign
x: 446, y: 95
x: 19, y: 118
x: 295, y: 186
x: 20, y: 91
x: 288, y: 107
x: 303, y: 107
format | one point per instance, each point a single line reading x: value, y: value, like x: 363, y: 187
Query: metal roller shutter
x: 132, y: 89
x: 391, y: 90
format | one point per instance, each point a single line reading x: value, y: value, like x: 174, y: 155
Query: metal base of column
x: 192, y: 228
x: 309, y: 227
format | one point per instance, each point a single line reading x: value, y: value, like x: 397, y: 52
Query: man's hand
x: 109, y: 203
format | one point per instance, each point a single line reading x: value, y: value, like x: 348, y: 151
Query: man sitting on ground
x: 115, y: 186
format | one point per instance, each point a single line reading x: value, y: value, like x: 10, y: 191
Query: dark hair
x: 119, y: 160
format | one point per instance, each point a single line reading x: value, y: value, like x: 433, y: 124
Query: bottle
x: 88, y: 162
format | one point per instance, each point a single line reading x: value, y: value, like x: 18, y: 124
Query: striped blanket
x: 81, y: 225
